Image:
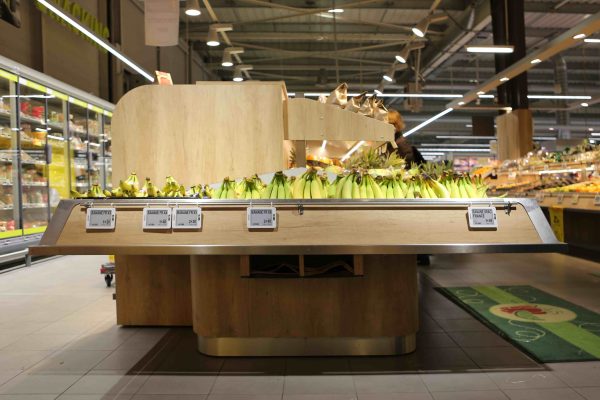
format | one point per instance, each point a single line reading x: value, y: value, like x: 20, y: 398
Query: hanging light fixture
x: 389, y: 75
x: 239, y: 69
x: 192, y: 8
x: 421, y: 28
x: 213, y: 33
x: 227, y: 60
x: 402, y: 57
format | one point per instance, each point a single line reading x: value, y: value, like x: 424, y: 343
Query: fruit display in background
x: 582, y: 187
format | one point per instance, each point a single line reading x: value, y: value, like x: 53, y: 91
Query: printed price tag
x: 187, y: 218
x: 482, y: 217
x: 560, y: 198
x: 512, y: 175
x: 539, y: 197
x: 597, y: 200
x: 262, y: 218
x: 157, y: 218
x: 101, y: 218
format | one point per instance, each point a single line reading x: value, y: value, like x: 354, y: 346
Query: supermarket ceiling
x: 312, y: 49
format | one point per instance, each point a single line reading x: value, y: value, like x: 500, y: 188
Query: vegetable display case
x: 333, y: 277
x: 46, y: 150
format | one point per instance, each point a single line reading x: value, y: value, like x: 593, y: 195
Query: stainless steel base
x: 341, y: 346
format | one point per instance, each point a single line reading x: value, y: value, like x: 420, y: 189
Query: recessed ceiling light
x: 536, y: 61
x: 461, y: 103
x: 551, y: 128
x: 579, y: 36
x: 584, y: 105
x: 504, y: 79
x: 490, y: 49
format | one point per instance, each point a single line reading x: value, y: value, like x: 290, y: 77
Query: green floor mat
x: 546, y: 327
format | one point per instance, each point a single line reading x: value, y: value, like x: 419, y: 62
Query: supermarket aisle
x: 58, y: 339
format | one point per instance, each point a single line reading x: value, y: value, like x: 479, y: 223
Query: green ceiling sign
x: 80, y: 14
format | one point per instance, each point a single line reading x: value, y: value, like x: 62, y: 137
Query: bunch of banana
x: 207, y: 192
x: 279, y: 188
x: 194, y: 191
x: 394, y: 188
x: 131, y: 185
x: 249, y: 189
x: 227, y: 190
x: 95, y: 192
x: 463, y: 187
x: 172, y: 188
x: 309, y: 186
x: 150, y: 190
x: 76, y: 195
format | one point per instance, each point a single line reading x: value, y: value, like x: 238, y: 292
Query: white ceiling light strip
x: 427, y: 122
x: 455, y: 150
x: 108, y: 47
x: 352, y: 150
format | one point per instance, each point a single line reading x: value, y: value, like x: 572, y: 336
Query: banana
x: 410, y: 192
x: 398, y: 193
x: 299, y: 188
x: 355, y: 190
x: 281, y: 190
x: 363, y: 189
x: 315, y: 188
x: 307, y: 186
x: 369, y: 187
x: 288, y: 189
x: 439, y: 189
x: 340, y: 187
x: 389, y: 191
x: 346, y: 192
x: 376, y: 189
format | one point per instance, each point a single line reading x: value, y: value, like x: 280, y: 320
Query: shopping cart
x: 108, y: 270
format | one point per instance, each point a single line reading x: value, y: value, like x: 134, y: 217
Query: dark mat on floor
x: 546, y: 327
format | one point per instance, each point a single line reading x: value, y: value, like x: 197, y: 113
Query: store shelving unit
x: 37, y: 161
x: 366, y: 305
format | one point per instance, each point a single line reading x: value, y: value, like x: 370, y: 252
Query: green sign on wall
x: 88, y: 20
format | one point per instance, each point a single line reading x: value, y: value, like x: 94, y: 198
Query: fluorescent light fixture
x: 323, y: 145
x: 544, y: 138
x: 461, y: 103
x: 96, y: 39
x: 536, y: 61
x: 458, y: 150
x: 592, y: 141
x: 490, y: 49
x: 465, y: 145
x: 551, y: 129
x: 389, y: 75
x: 192, y: 8
x: 504, y: 79
x: 403, y: 55
x: 448, y: 137
x: 559, y: 171
x: 557, y: 97
x: 591, y: 129
x: 55, y: 137
x: 468, y: 125
x: 352, y: 150
x: 585, y: 105
x: 336, y: 10
x: 480, y: 93
x: 425, y: 95
x: 432, y: 153
x: 486, y: 96
x: 427, y: 122
x: 579, y: 36
x: 590, y: 40
x: 595, y: 134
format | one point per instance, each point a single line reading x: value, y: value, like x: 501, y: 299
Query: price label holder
x: 261, y: 218
x: 559, y: 198
x: 597, y: 200
x: 539, y: 197
x: 482, y: 218
x: 187, y: 218
x: 101, y: 218
x: 575, y: 199
x: 157, y: 218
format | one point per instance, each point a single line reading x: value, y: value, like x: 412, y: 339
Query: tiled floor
x: 58, y: 340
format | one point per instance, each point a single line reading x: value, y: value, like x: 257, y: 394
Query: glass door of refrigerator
x: 33, y: 131
x: 95, y: 148
x: 106, y: 141
x: 58, y: 152
x: 78, y: 148
x: 9, y: 165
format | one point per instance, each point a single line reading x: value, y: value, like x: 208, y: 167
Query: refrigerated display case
x: 50, y: 144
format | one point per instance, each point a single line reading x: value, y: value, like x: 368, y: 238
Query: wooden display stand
x: 215, y: 278
x: 515, y: 134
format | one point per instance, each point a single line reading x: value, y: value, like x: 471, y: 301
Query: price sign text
x: 482, y: 217
x: 157, y: 218
x: 187, y: 218
x: 262, y: 218
x: 101, y: 218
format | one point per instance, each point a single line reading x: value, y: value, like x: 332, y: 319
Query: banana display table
x: 334, y: 277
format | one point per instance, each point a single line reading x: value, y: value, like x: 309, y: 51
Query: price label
x: 157, y: 218
x: 262, y: 217
x: 187, y: 218
x: 101, y: 218
x: 597, y: 200
x: 560, y: 198
x: 539, y: 197
x: 512, y: 175
x: 482, y: 217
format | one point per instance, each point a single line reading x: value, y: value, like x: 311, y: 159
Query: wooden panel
x: 382, y: 303
x: 153, y: 290
x: 198, y: 133
x: 311, y: 120
x: 317, y: 226
x: 515, y: 134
